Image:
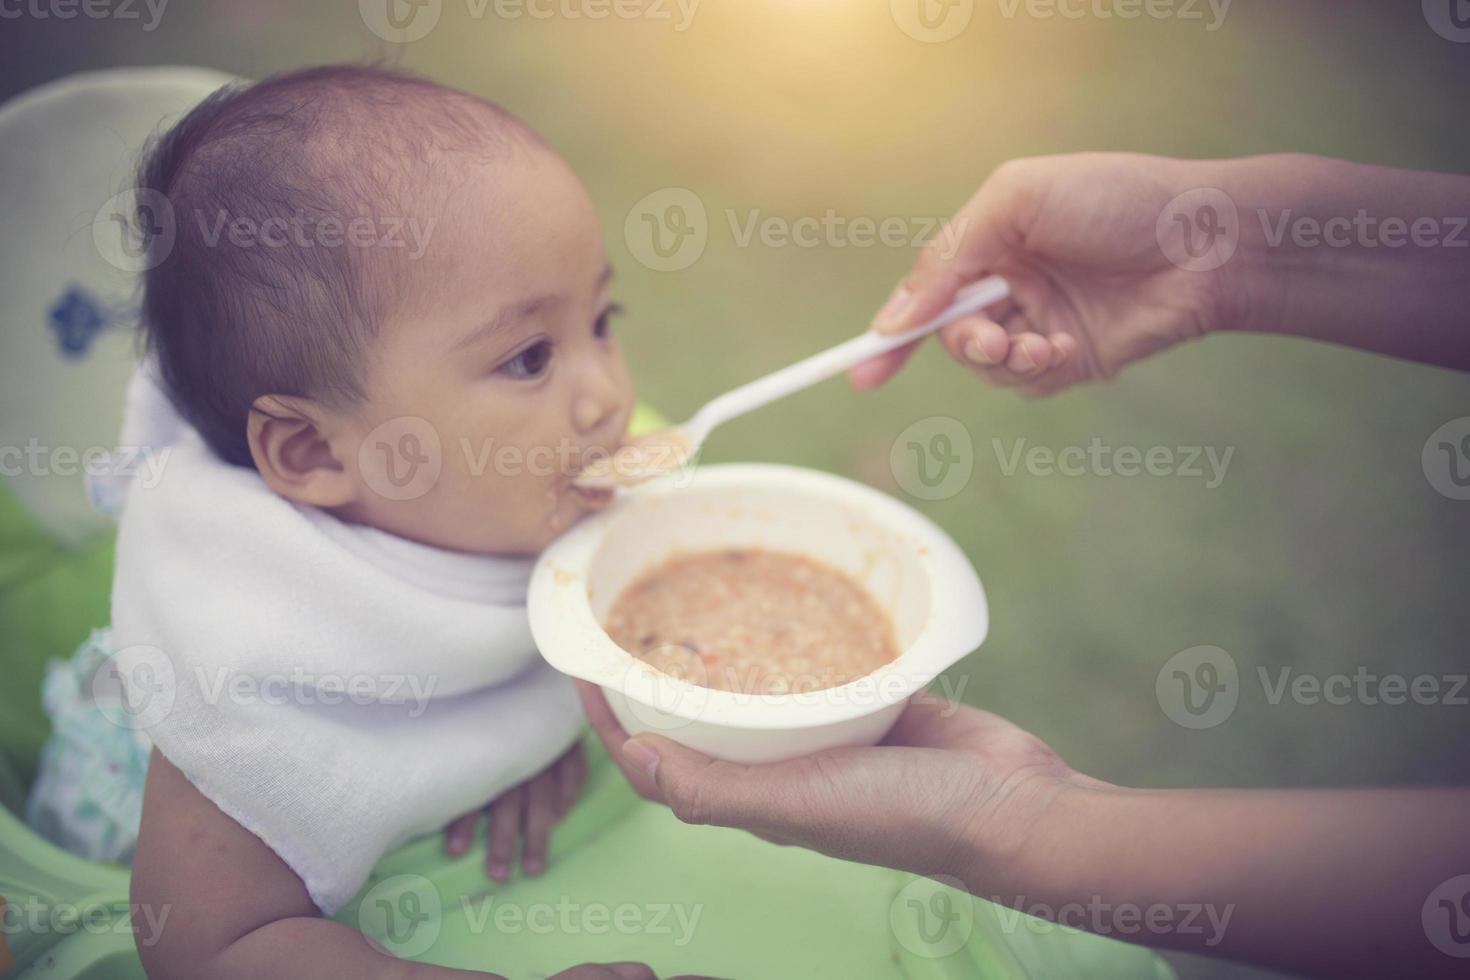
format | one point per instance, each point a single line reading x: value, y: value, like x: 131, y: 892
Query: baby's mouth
x: 593, y: 498
x: 593, y: 495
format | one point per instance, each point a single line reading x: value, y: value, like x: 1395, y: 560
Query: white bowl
x: 911, y: 567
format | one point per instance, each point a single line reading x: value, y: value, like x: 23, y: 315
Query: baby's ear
x: 291, y: 442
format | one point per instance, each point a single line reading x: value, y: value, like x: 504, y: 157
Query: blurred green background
x: 1325, y: 549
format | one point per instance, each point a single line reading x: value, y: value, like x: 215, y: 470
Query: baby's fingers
x: 505, y: 827
x: 541, y: 811
x: 571, y: 774
x: 460, y: 832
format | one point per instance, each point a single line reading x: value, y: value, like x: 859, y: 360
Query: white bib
x: 333, y: 688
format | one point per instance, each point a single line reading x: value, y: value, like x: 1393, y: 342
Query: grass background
x: 1325, y: 549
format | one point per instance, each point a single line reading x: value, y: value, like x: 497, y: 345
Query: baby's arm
x: 235, y: 909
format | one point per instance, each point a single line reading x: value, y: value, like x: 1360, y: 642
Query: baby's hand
x: 533, y: 807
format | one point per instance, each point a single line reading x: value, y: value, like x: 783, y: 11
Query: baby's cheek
x: 530, y: 506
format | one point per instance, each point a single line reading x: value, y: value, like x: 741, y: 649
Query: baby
x: 373, y: 443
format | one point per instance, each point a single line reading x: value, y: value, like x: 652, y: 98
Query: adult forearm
x: 1371, y: 257
x: 1320, y: 882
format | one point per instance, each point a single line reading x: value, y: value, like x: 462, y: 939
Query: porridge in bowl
x: 753, y: 621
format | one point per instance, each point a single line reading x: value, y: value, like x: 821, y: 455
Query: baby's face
x: 501, y: 370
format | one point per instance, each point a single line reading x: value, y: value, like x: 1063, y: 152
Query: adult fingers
x: 778, y: 801
x: 1006, y: 356
x: 612, y: 735
x: 876, y: 370
x: 976, y: 342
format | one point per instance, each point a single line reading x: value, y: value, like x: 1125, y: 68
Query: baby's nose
x: 593, y: 412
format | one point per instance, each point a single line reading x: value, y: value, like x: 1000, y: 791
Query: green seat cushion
x: 51, y: 597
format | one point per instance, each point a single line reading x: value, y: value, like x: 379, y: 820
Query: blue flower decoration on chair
x: 77, y: 318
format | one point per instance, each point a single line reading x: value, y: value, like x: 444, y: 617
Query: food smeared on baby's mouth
x: 753, y: 621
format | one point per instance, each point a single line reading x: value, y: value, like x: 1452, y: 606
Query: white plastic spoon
x: 648, y: 456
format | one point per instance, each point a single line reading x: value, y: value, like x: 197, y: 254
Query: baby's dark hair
x: 260, y: 289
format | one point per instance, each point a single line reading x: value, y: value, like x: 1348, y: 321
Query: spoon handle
x: 835, y: 360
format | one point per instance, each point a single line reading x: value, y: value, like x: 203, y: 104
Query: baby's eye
x: 603, y: 326
x: 529, y: 363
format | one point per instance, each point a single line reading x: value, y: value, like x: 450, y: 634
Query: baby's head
x: 391, y: 299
